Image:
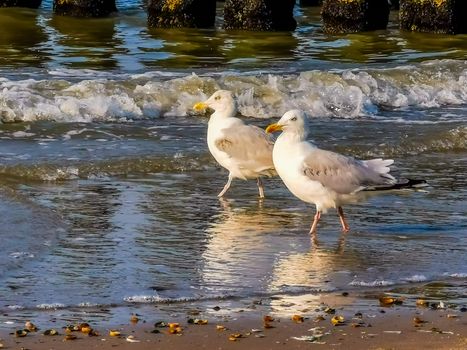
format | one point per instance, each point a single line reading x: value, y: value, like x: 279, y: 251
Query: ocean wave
x: 340, y: 94
x: 415, y: 279
x: 51, y: 306
x: 104, y: 169
x: 375, y: 283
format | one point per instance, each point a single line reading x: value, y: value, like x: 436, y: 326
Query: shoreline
x: 370, y: 327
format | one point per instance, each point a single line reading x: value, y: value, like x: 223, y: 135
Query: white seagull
x: 244, y: 150
x: 324, y: 178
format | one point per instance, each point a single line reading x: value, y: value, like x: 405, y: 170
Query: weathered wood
x: 434, y: 16
x: 264, y: 15
x: 84, y: 8
x: 394, y: 4
x: 34, y: 4
x: 350, y: 16
x: 181, y: 13
x: 311, y: 2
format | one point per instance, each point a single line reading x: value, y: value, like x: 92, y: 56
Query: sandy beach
x: 376, y: 327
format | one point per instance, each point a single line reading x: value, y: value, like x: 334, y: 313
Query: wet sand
x: 375, y: 327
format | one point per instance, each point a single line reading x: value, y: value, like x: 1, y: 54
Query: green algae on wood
x: 310, y: 2
x: 181, y: 13
x: 84, y: 8
x: 351, y: 16
x: 259, y: 15
x: 434, y: 16
x: 21, y: 3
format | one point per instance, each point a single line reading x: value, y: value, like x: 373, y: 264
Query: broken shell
x: 114, y: 333
x: 220, y: 327
x: 268, y: 318
x: 30, y: 326
x: 235, y: 336
x: 21, y: 333
x: 201, y: 322
x: 297, y: 318
x: 51, y: 332
x: 132, y: 339
x: 93, y: 333
x: 422, y: 303
x: 337, y: 320
x: 417, y: 320
x: 83, y: 325
x: 70, y: 337
x: 86, y: 329
x: 319, y: 318
x: 330, y: 310
x: 134, y: 319
x: 175, y: 330
x: 452, y: 316
x: 388, y: 301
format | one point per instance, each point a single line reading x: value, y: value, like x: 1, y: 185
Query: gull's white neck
x: 293, y: 136
x: 228, y: 111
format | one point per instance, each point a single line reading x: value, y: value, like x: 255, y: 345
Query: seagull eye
x: 294, y: 119
x: 217, y: 98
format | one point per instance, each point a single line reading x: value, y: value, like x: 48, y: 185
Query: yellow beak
x: 200, y: 106
x: 273, y: 128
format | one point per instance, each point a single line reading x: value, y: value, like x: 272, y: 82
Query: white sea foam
x: 18, y: 255
x: 457, y: 275
x: 142, y: 299
x: 342, y: 94
x: 15, y: 307
x: 52, y: 306
x: 375, y: 283
x: 415, y: 278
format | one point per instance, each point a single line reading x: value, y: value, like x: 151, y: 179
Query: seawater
x: 108, y: 191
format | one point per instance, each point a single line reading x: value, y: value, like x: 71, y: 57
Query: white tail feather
x: 381, y: 166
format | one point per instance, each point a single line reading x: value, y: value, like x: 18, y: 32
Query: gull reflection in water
x: 298, y: 279
x: 241, y: 248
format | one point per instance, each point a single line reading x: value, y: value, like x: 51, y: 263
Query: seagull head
x: 294, y: 121
x: 222, y: 102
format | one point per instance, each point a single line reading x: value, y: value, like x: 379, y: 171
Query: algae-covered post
x: 350, y: 16
x: 21, y: 3
x: 84, y: 8
x: 181, y: 13
x: 434, y: 16
x: 264, y: 15
x: 394, y: 4
x: 311, y: 2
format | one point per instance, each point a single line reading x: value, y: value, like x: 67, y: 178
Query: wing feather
x: 248, y: 145
x: 344, y: 175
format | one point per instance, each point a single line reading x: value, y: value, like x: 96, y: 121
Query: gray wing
x: 343, y: 174
x: 248, y: 145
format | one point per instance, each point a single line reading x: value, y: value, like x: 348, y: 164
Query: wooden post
x: 34, y: 4
x: 264, y: 15
x: 84, y: 8
x: 311, y: 2
x: 181, y: 13
x: 350, y: 16
x: 434, y: 16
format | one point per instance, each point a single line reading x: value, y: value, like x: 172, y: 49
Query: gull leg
x: 315, y: 222
x: 260, y: 188
x: 345, y: 226
x: 226, y: 187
